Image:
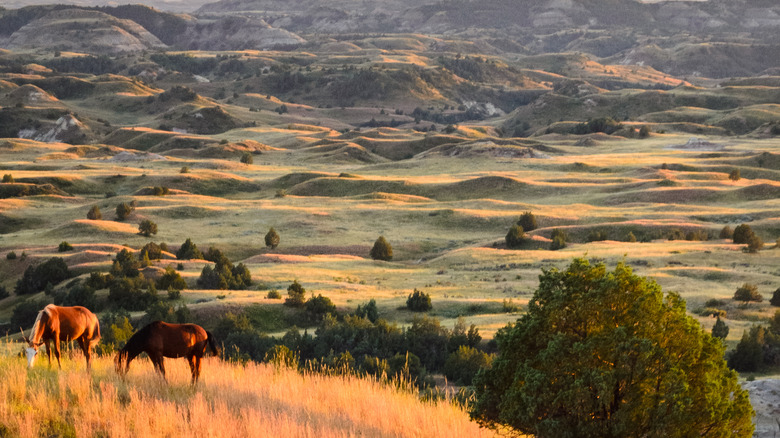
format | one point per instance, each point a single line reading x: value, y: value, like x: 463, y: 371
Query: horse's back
x: 74, y: 322
x: 176, y: 340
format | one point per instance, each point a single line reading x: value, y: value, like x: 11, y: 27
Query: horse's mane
x: 136, y: 341
x: 37, y: 332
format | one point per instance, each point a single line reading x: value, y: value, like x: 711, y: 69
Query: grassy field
x: 445, y: 216
x: 230, y: 400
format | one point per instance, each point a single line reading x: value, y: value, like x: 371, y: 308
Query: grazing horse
x: 160, y: 339
x: 55, y: 324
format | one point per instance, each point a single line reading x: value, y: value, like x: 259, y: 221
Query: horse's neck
x: 39, y: 327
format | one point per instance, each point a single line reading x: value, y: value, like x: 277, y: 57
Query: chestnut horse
x: 160, y: 339
x: 55, y: 324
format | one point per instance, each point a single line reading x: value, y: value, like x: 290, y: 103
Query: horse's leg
x: 159, y: 364
x: 57, y: 349
x: 193, y: 368
x: 48, y: 352
x: 198, y: 359
x: 84, y: 344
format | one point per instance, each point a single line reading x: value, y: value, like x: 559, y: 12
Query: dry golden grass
x: 231, y: 400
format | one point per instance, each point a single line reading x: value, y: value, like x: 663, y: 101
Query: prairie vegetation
x: 232, y: 399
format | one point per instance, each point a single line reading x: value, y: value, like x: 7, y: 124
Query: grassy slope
x: 230, y: 400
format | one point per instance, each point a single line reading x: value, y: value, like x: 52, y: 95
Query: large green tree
x: 606, y: 354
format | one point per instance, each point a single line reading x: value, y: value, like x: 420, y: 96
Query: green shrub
x: 368, y: 311
x: 296, y: 295
x: 748, y: 292
x: 160, y: 191
x: 274, y: 294
x: 4, y: 293
x: 596, y: 235
x: 174, y: 294
x: 419, y: 301
x: 775, y: 300
x: 462, y: 365
x: 734, y: 175
x: 151, y: 250
x: 123, y: 210
x: 64, y: 247
x: 754, y: 244
x: 94, y: 213
x: 171, y: 280
x: 24, y: 313
x: 381, y: 250
x: 11, y: 255
x: 247, y: 158
x: 720, y: 329
x: 35, y: 278
x: 79, y: 295
x: 272, y: 239
x: 188, y: 251
x: 726, y: 232
x: 742, y: 234
x: 146, y: 228
x: 515, y: 237
x: 527, y: 221
x: 319, y: 306
x: 8, y: 178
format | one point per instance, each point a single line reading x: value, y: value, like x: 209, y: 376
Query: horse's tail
x: 212, y: 344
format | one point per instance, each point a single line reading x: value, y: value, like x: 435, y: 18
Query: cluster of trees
x: 224, y: 275
x: 516, y: 235
x: 743, y: 234
x: 607, y: 125
x: 38, y: 277
x: 355, y: 343
x: 759, y: 348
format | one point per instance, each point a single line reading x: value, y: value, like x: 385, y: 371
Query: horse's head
x: 30, y: 351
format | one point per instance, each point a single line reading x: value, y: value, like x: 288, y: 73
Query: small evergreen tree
x: 296, y: 295
x: 272, y: 239
x: 247, y: 158
x: 630, y: 237
x: 742, y: 234
x: 188, y: 250
x: 748, y: 356
x: 775, y: 300
x: 64, y: 247
x: 527, y: 221
x: 754, y: 244
x: 369, y: 311
x: 152, y: 250
x: 720, y: 329
x: 146, y: 228
x: 94, y: 213
x: 419, y: 301
x: 8, y: 178
x: 734, y: 175
x: 123, y: 210
x: 515, y: 237
x: 644, y: 131
x: 381, y: 250
x: 726, y: 232
x: 748, y: 292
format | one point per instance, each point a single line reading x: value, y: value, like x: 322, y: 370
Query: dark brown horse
x: 55, y: 324
x: 160, y: 339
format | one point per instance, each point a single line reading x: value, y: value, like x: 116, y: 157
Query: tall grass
x: 230, y: 400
